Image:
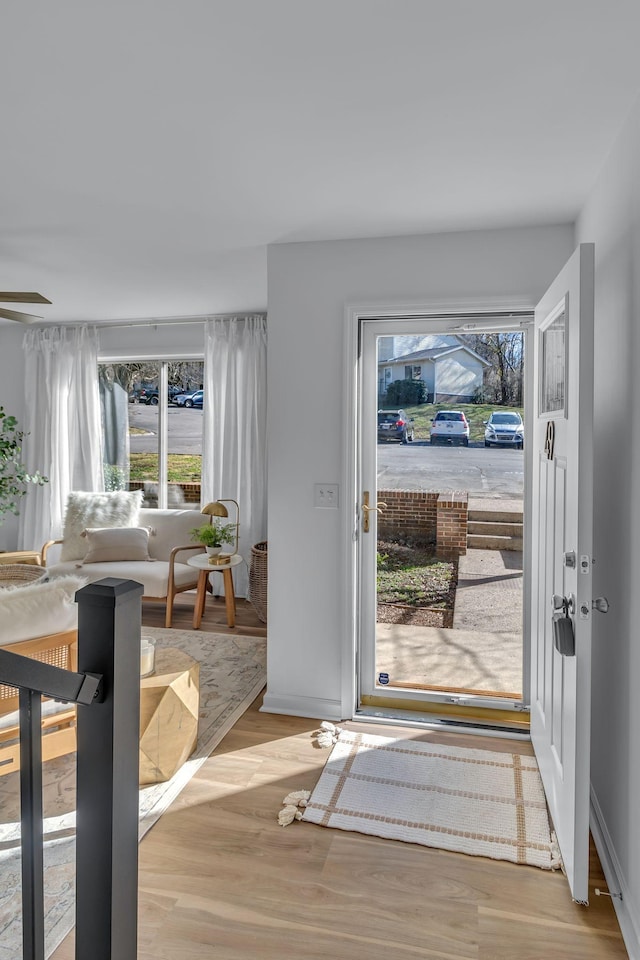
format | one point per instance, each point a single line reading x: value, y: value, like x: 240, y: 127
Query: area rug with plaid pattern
x: 477, y: 802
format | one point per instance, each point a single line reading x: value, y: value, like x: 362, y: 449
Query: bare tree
x: 503, y: 381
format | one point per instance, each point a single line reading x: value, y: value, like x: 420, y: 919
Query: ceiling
x: 152, y: 149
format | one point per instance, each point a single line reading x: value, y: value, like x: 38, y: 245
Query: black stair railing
x: 107, y: 691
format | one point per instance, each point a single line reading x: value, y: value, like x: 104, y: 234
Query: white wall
x: 309, y: 284
x: 611, y: 219
x: 459, y: 374
x: 12, y: 393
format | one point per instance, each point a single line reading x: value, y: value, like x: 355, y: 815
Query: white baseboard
x: 629, y: 924
x: 314, y: 707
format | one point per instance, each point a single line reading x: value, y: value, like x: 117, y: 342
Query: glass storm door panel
x: 400, y: 661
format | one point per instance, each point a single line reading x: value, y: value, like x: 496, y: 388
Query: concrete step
x: 477, y: 541
x: 495, y: 529
x: 493, y: 516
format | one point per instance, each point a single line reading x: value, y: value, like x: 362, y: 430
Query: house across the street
x: 451, y: 371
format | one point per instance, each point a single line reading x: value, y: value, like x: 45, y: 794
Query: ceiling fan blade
x: 7, y: 296
x: 21, y: 317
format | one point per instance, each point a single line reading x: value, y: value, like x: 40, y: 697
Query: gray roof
x: 433, y: 354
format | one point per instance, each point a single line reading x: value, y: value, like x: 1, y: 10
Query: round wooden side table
x: 202, y: 563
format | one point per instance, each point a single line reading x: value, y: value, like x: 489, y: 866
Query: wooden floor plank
x: 220, y: 878
x: 214, y: 619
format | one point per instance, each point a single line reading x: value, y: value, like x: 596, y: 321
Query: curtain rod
x: 169, y: 321
x: 156, y: 321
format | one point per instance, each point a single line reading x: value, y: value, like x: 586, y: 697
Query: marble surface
x: 232, y: 673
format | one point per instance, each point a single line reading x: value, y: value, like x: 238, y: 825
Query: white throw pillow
x: 116, y: 509
x: 39, y: 609
x: 110, y: 544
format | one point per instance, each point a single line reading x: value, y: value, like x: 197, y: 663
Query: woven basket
x: 258, y: 579
x: 20, y: 574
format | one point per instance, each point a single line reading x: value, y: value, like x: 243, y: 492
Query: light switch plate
x: 325, y: 495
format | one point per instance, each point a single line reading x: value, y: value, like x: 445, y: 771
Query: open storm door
x: 562, y: 556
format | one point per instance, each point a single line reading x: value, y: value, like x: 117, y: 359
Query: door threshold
x: 392, y: 716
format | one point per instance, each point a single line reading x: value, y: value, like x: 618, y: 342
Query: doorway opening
x: 443, y: 441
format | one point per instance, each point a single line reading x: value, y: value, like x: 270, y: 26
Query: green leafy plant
x: 214, y: 534
x: 403, y: 392
x: 13, y: 473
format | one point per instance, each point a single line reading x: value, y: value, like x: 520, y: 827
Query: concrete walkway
x: 489, y: 594
x: 483, y: 650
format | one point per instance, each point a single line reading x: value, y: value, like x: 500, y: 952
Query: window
x: 506, y: 418
x: 152, y: 429
x: 553, y: 360
x: 449, y: 415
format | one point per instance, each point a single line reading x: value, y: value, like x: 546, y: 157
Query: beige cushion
x: 116, y: 543
x: 118, y: 508
x: 172, y: 529
x: 39, y: 608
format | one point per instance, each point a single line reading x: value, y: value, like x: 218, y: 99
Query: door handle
x: 366, y: 510
x: 568, y: 604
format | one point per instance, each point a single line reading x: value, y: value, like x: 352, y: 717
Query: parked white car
x: 450, y: 426
x: 504, y: 428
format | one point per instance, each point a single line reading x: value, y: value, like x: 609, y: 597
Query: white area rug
x: 478, y: 802
x: 232, y: 674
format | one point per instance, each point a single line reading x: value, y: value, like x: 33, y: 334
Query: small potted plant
x: 213, y: 535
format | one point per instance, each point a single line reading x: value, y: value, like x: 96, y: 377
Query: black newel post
x: 109, y: 618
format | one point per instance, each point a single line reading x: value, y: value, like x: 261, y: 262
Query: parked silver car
x: 504, y: 427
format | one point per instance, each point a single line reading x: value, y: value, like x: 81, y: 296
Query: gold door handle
x: 366, y: 510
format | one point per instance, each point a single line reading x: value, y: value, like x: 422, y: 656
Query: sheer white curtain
x: 234, y: 454
x: 62, y: 423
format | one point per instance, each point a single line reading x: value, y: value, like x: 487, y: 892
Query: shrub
x: 406, y: 393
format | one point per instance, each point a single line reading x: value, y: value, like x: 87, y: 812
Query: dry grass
x: 409, y: 573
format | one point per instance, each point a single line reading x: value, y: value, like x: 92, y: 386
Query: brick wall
x: 439, y: 518
x: 408, y: 512
x: 452, y: 514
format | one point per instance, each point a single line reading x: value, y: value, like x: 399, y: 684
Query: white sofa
x: 164, y: 575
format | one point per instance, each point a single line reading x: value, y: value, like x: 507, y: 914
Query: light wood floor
x: 220, y: 879
x: 214, y: 619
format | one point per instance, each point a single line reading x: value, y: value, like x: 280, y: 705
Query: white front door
x: 562, y: 556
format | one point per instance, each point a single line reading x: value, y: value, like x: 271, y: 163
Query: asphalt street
x: 185, y: 429
x: 482, y: 471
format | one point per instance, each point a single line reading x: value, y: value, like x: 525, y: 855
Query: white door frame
x: 433, y: 310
